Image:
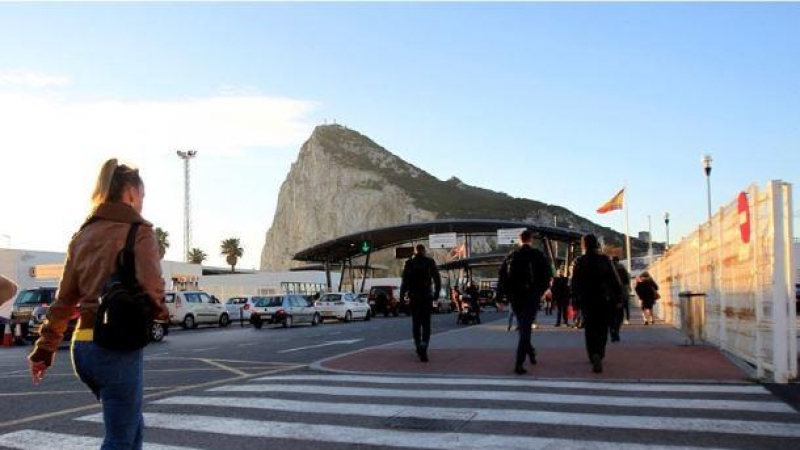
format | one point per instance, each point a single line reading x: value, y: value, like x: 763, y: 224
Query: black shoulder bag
x: 124, y: 316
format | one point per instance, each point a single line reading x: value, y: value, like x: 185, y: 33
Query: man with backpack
x: 523, y: 278
x: 421, y: 281
x: 597, y: 289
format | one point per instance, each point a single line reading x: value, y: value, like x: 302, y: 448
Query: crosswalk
x: 327, y: 411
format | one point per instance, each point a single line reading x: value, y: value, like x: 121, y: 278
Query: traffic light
x: 366, y: 246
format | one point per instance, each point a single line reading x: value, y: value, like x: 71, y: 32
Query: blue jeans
x: 116, y: 379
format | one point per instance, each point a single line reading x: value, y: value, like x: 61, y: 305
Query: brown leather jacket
x: 91, y: 259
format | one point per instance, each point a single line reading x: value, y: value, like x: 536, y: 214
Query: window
x: 235, y: 301
x: 298, y: 301
x: 169, y: 298
x: 205, y: 298
x: 192, y: 297
x: 268, y: 302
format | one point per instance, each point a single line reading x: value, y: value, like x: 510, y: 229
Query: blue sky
x: 562, y: 103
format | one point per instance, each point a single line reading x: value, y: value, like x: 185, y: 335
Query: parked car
x: 342, y: 306
x: 191, y: 308
x: 385, y: 300
x: 285, y: 309
x: 26, y: 302
x: 240, y: 307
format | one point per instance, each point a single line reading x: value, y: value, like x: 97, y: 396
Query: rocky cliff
x: 343, y: 182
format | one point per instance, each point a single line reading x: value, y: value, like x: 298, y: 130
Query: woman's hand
x: 38, y: 370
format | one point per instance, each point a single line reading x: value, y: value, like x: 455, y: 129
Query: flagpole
x: 627, y: 226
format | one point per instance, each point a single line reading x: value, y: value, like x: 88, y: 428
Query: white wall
x: 263, y: 283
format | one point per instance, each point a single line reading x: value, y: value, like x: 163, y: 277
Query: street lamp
x: 666, y: 223
x: 707, y: 167
x: 187, y: 207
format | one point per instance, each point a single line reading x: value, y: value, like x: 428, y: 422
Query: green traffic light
x: 365, y: 246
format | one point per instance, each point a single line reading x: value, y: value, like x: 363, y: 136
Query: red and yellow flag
x: 615, y: 203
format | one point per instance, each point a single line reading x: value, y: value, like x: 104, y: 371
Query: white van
x: 191, y: 308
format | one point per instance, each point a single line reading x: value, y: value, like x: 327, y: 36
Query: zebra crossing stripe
x: 778, y: 429
x: 598, y: 400
x: 307, y: 432
x: 38, y: 440
x: 626, y: 387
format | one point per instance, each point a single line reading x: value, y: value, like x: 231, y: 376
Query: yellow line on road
x: 85, y: 408
x: 224, y: 367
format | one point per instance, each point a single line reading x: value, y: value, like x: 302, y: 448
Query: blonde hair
x: 112, y: 181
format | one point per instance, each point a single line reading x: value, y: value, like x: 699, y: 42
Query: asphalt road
x: 190, y: 360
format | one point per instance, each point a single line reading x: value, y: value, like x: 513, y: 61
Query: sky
x: 563, y: 103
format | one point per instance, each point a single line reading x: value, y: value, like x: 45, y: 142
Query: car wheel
x: 367, y: 316
x: 386, y: 313
x: 256, y: 321
x: 157, y: 332
x: 395, y: 312
x: 188, y: 322
x: 224, y: 320
x: 348, y: 316
x: 315, y: 320
x: 288, y: 322
x: 478, y: 320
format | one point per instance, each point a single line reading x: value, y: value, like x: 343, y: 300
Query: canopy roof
x: 347, y: 247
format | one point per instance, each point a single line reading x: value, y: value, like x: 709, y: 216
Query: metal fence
x: 748, y: 287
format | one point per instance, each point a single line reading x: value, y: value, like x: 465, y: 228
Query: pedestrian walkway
x: 646, y: 352
x: 329, y: 411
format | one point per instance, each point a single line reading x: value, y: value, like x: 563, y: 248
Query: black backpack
x: 124, y: 317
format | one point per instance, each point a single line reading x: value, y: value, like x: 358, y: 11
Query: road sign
x: 442, y: 240
x: 508, y: 236
x: 366, y: 246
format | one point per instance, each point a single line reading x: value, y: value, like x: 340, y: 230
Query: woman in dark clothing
x: 647, y: 290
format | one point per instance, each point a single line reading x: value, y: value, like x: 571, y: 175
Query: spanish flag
x: 615, y: 203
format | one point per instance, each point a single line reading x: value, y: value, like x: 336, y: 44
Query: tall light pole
x: 707, y: 167
x: 187, y: 206
x: 666, y: 223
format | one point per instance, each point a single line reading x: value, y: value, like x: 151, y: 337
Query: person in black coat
x: 523, y: 278
x: 596, y: 287
x: 561, y: 294
x: 621, y: 309
x: 647, y: 291
x: 421, y: 280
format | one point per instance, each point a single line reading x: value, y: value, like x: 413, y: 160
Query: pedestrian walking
x: 115, y: 377
x: 597, y: 289
x: 523, y: 277
x: 621, y: 307
x: 561, y: 294
x: 420, y: 280
x: 647, y: 291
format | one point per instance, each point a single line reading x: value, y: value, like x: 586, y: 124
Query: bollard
x: 8, y: 339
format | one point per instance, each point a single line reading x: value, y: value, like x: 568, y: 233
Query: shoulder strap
x: 126, y: 259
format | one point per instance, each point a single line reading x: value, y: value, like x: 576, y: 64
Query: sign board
x: 508, y: 236
x: 442, y: 240
x: 403, y: 252
x: 744, y: 217
x: 47, y: 271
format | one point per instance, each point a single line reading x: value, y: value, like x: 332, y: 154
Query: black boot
x: 422, y: 351
x: 597, y: 364
x: 532, y: 356
x: 519, y: 370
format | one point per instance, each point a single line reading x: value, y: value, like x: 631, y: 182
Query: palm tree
x: 197, y: 256
x: 232, y: 252
x: 162, y: 237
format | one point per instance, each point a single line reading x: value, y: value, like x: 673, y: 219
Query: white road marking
x: 627, y: 387
x: 325, y: 344
x: 249, y: 344
x: 38, y: 440
x: 780, y: 429
x: 203, y: 349
x: 370, y: 437
x: 600, y: 400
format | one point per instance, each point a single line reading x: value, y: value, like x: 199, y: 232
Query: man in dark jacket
x: 561, y: 296
x: 596, y: 287
x: 524, y: 277
x: 621, y: 309
x: 421, y: 281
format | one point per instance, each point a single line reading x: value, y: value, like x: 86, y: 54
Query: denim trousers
x: 116, y: 379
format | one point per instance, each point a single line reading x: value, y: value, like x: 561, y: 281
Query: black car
x: 26, y: 305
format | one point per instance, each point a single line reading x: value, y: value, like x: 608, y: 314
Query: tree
x: 162, y: 237
x: 232, y: 252
x: 197, y: 256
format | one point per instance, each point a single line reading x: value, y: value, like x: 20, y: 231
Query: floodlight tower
x: 187, y: 205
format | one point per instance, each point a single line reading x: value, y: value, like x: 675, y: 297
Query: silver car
x: 286, y: 309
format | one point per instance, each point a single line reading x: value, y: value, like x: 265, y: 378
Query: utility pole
x: 187, y: 206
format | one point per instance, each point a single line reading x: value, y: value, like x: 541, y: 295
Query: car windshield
x: 34, y: 297
x: 267, y: 302
x: 330, y: 298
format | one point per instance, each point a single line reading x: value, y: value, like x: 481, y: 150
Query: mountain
x: 343, y: 182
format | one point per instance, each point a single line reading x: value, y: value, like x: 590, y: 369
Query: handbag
x: 656, y: 295
x: 124, y: 317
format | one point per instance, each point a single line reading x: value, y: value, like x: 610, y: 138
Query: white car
x: 191, y: 308
x: 287, y: 310
x: 343, y: 306
x: 240, y: 308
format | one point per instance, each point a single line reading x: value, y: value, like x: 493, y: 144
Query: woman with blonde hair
x: 115, y: 377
